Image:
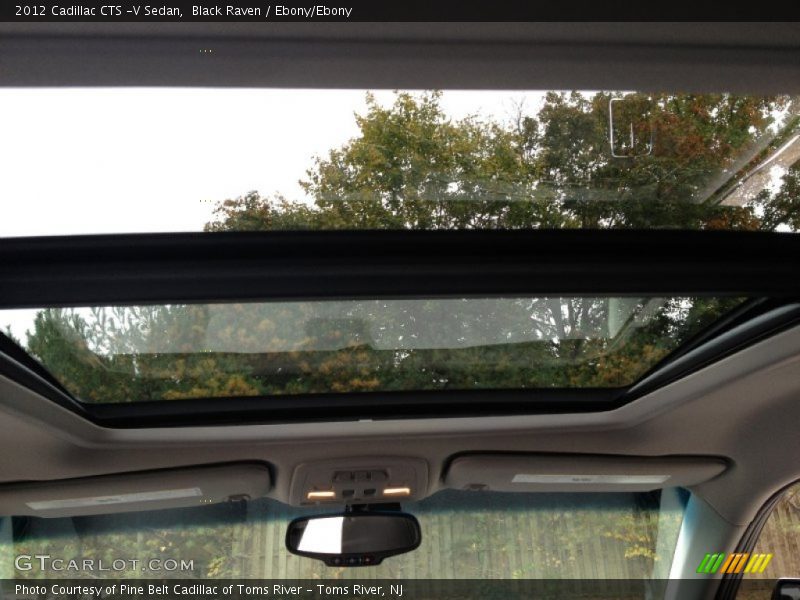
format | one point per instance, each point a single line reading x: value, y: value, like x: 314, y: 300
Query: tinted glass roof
x: 264, y: 159
x: 174, y: 352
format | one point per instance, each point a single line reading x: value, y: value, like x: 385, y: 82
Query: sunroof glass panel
x: 230, y: 159
x: 127, y: 354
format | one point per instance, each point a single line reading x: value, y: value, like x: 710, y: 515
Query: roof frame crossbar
x: 214, y: 267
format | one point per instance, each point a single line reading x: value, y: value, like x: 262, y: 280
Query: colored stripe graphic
x: 703, y: 563
x: 710, y: 563
x: 717, y: 563
x: 740, y: 563
x: 755, y: 562
x: 731, y: 559
x: 763, y: 565
x: 737, y: 562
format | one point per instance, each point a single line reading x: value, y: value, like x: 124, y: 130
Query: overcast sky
x: 83, y: 160
x: 143, y: 160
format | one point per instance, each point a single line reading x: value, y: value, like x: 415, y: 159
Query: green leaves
x: 413, y: 167
x: 173, y: 352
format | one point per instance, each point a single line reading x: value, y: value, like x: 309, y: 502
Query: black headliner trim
x: 307, y: 408
x: 208, y: 267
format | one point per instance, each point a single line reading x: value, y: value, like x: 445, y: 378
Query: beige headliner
x: 743, y: 408
x: 735, y: 57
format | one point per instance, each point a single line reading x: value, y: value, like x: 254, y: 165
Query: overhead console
x: 577, y: 472
x: 359, y: 481
x: 129, y: 492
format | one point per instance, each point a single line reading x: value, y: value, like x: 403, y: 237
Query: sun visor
x: 573, y: 472
x: 151, y: 490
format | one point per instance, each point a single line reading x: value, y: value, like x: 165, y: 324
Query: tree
x: 411, y: 166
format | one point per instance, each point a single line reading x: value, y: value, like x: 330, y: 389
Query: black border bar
x: 220, y: 267
x: 236, y: 11
x: 320, y: 408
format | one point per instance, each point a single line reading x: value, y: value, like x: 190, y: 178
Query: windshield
x: 284, y: 159
x: 172, y: 352
x: 465, y: 535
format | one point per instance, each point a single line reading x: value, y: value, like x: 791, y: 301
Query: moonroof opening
x: 191, y: 159
x: 127, y: 354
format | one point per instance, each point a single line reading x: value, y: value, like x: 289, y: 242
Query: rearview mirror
x: 353, y: 539
x: 786, y: 589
